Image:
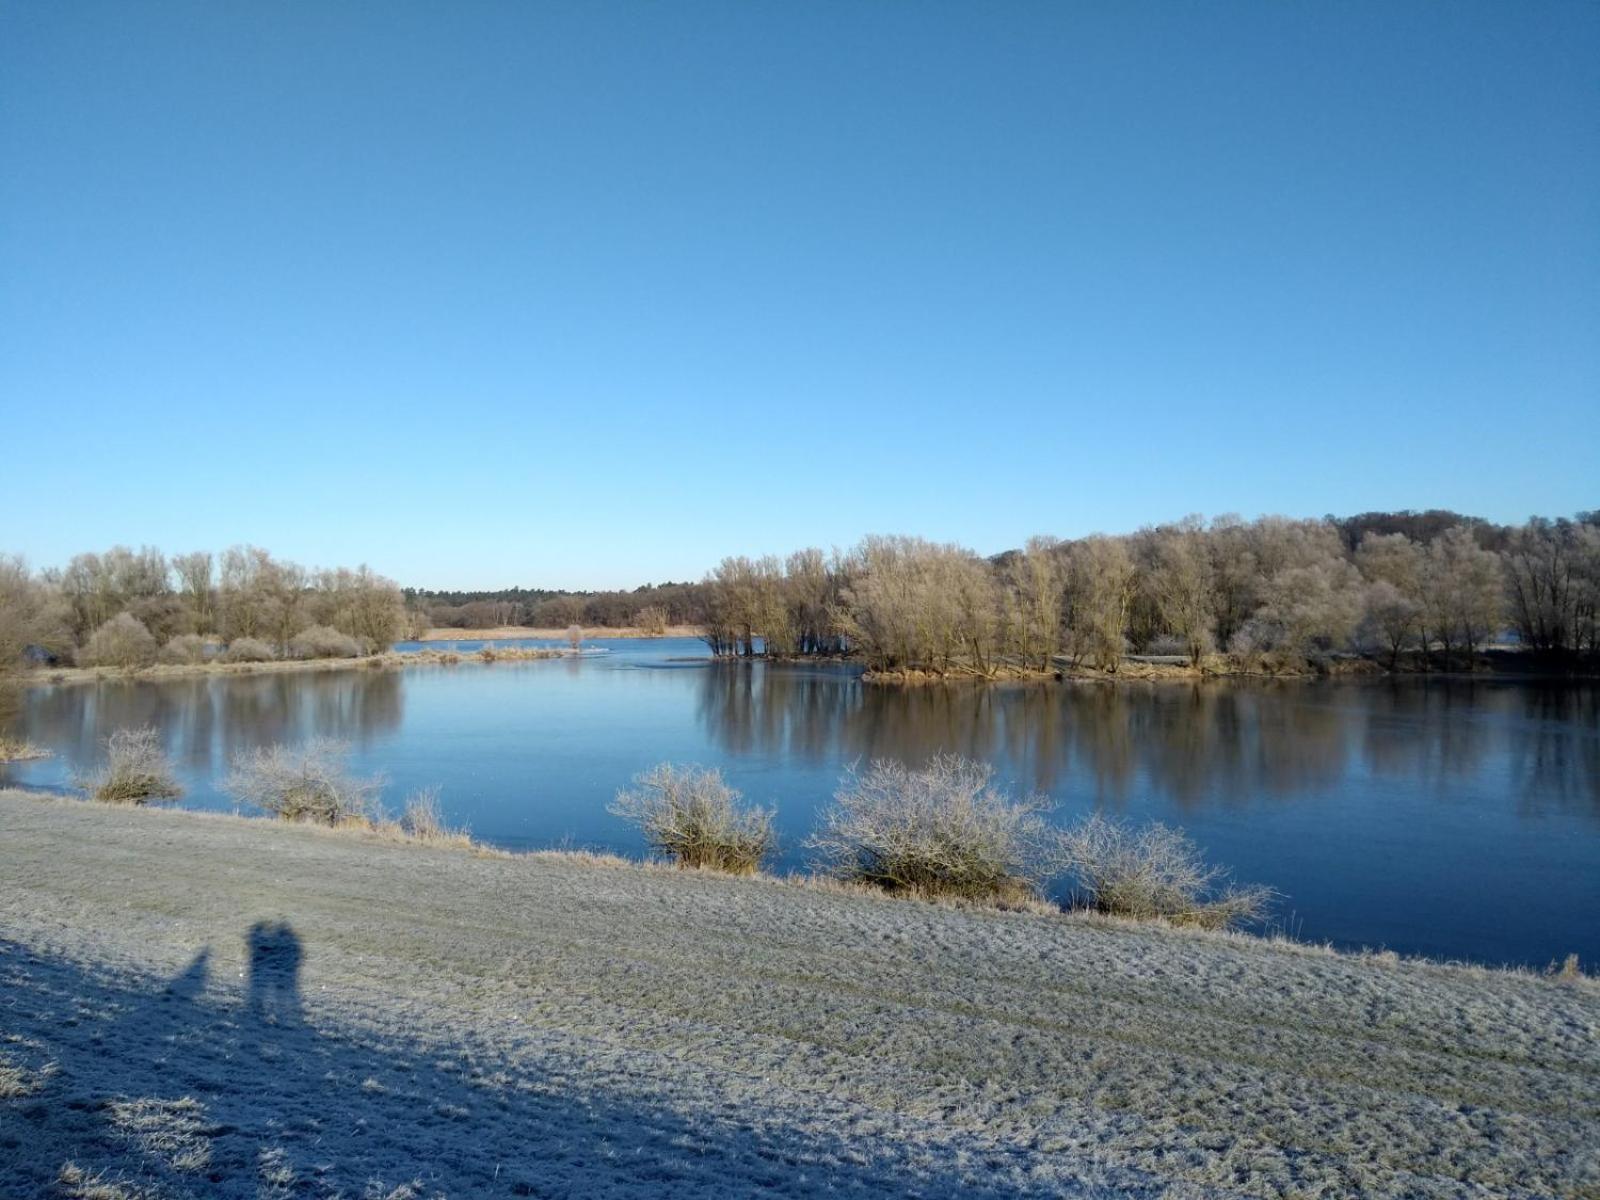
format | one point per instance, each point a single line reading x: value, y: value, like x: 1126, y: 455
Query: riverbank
x: 1496, y: 664
x: 503, y: 633
x: 1130, y: 670
x: 389, y: 660
x: 210, y: 1005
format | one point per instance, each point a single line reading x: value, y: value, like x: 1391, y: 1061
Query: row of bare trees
x: 243, y: 593
x: 1262, y: 590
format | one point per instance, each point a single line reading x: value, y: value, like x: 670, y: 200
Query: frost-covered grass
x: 264, y: 1009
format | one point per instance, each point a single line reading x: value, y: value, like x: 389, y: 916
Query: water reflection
x: 205, y: 722
x: 1198, y: 745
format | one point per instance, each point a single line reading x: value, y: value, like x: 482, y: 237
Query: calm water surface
x: 1443, y: 817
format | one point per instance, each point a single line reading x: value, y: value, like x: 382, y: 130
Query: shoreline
x: 388, y: 660
x: 582, y: 1024
x: 1501, y: 667
x: 383, y: 830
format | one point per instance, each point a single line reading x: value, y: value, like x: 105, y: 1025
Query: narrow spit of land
x: 387, y: 661
x: 502, y: 633
x: 198, y: 1005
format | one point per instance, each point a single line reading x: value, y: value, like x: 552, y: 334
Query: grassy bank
x: 208, y: 1005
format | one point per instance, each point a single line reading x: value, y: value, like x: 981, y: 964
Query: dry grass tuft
x: 944, y: 830
x: 691, y: 815
x: 74, y: 1183
x: 422, y: 821
x: 136, y: 771
x: 1156, y: 873
x: 20, y: 750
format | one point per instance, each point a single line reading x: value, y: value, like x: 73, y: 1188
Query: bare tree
x: 194, y: 572
x: 32, y: 615
x: 1390, y: 618
x: 651, y: 619
x: 1037, y: 580
x: 1312, y: 609
x: 1101, y: 583
x: 1552, y: 577
x: 1183, y: 583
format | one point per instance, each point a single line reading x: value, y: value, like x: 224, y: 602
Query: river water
x: 1448, y: 817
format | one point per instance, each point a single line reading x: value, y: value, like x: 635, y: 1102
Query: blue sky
x: 592, y: 294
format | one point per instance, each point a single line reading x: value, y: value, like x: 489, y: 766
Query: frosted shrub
x: 1156, y: 872
x: 942, y: 830
x: 691, y: 815
x: 303, y: 783
x: 136, y: 770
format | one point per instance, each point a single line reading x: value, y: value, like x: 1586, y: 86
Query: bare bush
x: 574, y: 636
x: 651, y: 620
x: 248, y: 650
x: 136, y: 770
x: 323, y: 641
x: 943, y: 830
x: 691, y: 815
x: 123, y: 641
x: 185, y: 649
x: 1156, y: 872
x: 304, y: 783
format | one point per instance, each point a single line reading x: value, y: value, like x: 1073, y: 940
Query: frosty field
x: 199, y: 1005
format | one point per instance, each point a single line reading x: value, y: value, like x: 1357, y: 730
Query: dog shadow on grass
x: 201, y: 1085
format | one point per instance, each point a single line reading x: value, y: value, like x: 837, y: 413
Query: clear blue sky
x: 591, y: 294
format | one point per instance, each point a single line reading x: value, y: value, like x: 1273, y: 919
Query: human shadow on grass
x: 185, y: 1087
x: 274, y: 966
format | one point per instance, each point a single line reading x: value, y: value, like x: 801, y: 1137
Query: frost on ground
x: 200, y: 1006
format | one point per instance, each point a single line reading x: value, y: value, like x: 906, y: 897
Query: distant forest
x: 1387, y: 585
x: 538, y: 608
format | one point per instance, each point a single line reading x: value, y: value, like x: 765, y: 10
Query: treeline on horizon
x: 132, y: 608
x: 1274, y: 591
x: 653, y: 606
